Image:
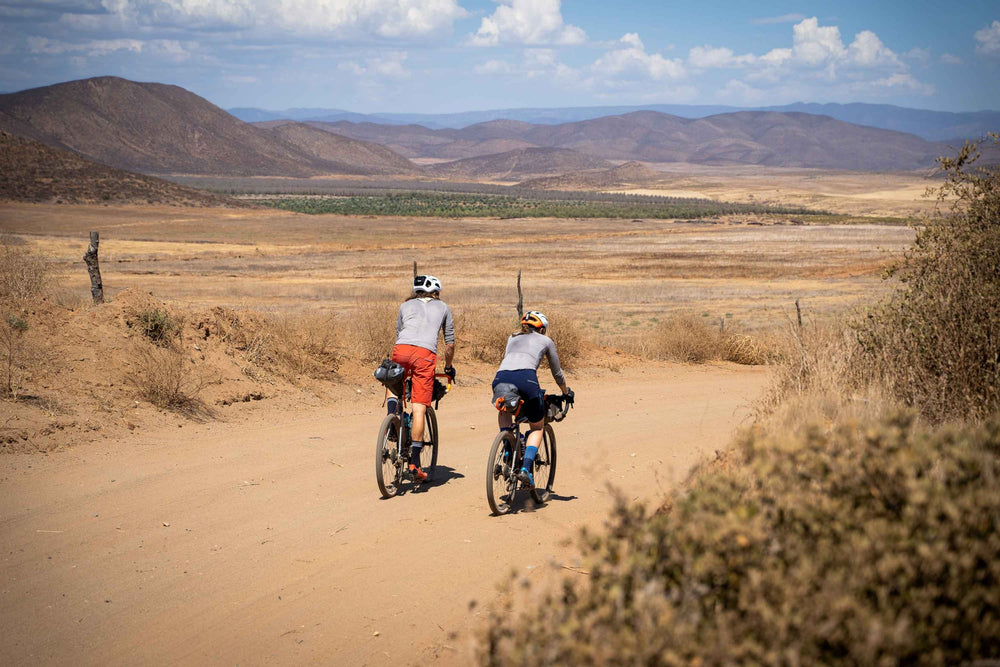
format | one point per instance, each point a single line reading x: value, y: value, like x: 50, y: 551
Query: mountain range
x: 162, y: 129
x: 765, y: 138
x: 930, y: 125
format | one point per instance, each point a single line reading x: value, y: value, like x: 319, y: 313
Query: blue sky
x: 436, y: 56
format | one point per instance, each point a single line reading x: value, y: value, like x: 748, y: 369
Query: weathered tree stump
x: 94, y: 269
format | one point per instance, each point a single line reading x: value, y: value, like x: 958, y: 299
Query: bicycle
x: 392, y: 449
x: 507, y: 454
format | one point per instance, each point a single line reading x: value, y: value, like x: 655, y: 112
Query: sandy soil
x: 266, y: 542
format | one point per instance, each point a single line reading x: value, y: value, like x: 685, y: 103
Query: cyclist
x: 421, y: 317
x: 519, y: 368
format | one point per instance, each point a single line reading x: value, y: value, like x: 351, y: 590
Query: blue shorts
x: 527, y: 385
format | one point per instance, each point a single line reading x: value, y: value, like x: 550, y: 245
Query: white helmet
x: 426, y: 284
x: 535, y: 319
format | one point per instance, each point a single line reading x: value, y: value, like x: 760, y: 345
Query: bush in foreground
x: 865, y: 545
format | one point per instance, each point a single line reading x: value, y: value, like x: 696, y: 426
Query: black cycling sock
x: 415, y: 448
x: 391, y: 405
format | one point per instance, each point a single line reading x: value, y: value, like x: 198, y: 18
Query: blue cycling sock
x: 529, y: 457
x: 415, y: 448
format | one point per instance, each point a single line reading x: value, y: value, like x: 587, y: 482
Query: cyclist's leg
x: 423, y: 364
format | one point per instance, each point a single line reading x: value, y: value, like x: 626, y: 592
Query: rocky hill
x: 33, y: 172
x: 161, y: 129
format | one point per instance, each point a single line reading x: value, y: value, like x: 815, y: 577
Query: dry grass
x: 23, y: 276
x: 369, y: 330
x: 689, y: 338
x: 291, y: 346
x: 165, y: 377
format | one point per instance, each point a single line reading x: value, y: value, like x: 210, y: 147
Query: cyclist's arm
x: 557, y: 373
x: 448, y: 327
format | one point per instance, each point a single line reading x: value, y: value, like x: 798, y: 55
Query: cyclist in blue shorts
x: 519, y: 372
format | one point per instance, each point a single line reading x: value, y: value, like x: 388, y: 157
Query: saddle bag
x: 391, y: 375
x: 506, y: 398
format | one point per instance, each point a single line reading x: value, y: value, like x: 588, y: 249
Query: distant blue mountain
x: 930, y: 125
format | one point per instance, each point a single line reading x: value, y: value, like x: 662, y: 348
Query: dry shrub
x: 749, y: 350
x: 287, y: 345
x: 369, y: 330
x: 151, y: 317
x: 23, y: 275
x: 566, y: 332
x: 686, y: 338
x: 481, y: 333
x: 935, y: 342
x: 165, y: 377
x: 870, y: 543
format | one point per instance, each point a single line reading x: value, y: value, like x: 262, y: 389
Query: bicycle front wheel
x: 429, y: 453
x: 500, y: 481
x: 545, y: 466
x: 387, y: 457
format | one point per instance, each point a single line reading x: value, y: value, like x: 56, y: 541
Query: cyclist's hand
x: 570, y: 396
x: 450, y: 372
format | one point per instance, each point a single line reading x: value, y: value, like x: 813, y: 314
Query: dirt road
x: 268, y: 543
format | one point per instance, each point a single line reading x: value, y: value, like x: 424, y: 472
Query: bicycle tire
x: 545, y: 466
x: 429, y: 453
x: 387, y: 454
x: 501, y: 485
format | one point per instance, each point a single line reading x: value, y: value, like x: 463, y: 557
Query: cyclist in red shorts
x: 421, y: 318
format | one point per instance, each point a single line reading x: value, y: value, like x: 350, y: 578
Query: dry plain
x: 258, y: 537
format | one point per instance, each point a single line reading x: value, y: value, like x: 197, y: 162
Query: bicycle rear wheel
x: 387, y: 457
x: 545, y: 466
x: 500, y: 481
x: 429, y: 452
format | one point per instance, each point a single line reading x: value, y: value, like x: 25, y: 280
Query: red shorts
x: 421, y: 363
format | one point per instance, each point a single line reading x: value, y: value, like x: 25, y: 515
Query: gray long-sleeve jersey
x: 525, y: 351
x: 420, y: 320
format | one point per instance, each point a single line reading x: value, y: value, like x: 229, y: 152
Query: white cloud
x: 784, y: 18
x: 867, y: 50
x: 492, y: 67
x: 708, y: 56
x: 386, y: 66
x: 334, y: 18
x: 168, y: 48
x: 738, y: 93
x: 949, y: 59
x: 989, y: 39
x: 813, y: 44
x: 893, y: 83
x: 528, y: 22
x: 922, y: 56
x: 630, y: 61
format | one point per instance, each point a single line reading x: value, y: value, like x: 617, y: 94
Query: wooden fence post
x: 520, y: 298
x: 94, y: 269
x: 798, y: 312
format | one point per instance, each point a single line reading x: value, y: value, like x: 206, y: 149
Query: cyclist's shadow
x: 442, y: 475
x: 528, y: 504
